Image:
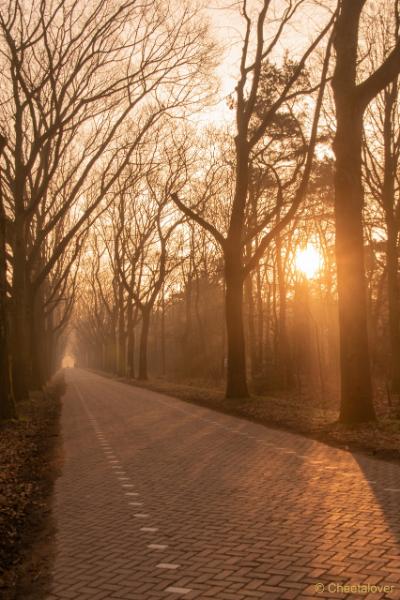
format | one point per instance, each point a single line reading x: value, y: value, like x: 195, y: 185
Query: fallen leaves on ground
x: 25, y: 451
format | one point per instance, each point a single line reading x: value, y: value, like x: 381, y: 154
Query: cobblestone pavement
x: 160, y: 499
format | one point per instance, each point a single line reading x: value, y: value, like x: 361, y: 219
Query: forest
x: 201, y: 199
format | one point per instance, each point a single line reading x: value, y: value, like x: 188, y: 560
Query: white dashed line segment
x: 178, y: 590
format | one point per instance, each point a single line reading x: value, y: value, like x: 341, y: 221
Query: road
x: 161, y: 499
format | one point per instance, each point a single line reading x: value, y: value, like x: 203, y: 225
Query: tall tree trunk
x: 224, y: 359
x: 7, y: 405
x: 162, y: 336
x: 283, y: 349
x: 130, y: 350
x: 187, y: 332
x: 356, y: 387
x: 143, y: 346
x: 52, y: 361
x: 121, y: 337
x: 393, y: 305
x: 274, y: 315
x: 236, y: 385
x: 113, y: 347
x: 268, y: 353
x: 252, y: 341
x: 21, y: 359
x: 39, y: 341
x: 391, y: 163
x: 260, y: 318
x: 201, y: 328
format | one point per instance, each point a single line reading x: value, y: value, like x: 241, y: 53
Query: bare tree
x: 72, y: 80
x: 250, y: 134
x: 381, y: 163
x: 351, y: 101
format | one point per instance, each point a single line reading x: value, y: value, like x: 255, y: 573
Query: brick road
x: 160, y: 499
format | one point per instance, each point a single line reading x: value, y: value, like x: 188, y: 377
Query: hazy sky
x: 228, y: 26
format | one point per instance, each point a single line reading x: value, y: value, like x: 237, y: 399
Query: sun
x: 308, y: 261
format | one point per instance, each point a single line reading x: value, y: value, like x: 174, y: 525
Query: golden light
x: 308, y: 261
x: 68, y: 362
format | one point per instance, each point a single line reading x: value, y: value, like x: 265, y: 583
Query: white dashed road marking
x: 121, y: 476
x: 178, y: 590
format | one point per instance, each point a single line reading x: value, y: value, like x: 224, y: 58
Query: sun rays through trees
x: 153, y: 224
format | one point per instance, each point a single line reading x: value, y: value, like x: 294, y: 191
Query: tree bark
x: 20, y: 317
x: 162, y: 336
x: 236, y: 386
x: 351, y: 100
x: 143, y: 347
x: 121, y: 336
x: 393, y: 305
x: 130, y: 349
x: 260, y: 318
x: 51, y: 364
x: 252, y: 341
x: 283, y: 349
x: 356, y: 387
x: 187, y: 338
x: 39, y: 350
x: 7, y: 404
x: 391, y: 164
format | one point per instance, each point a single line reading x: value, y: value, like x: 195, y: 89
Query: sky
x: 227, y: 27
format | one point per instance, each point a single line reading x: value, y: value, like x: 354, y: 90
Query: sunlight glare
x: 308, y: 261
